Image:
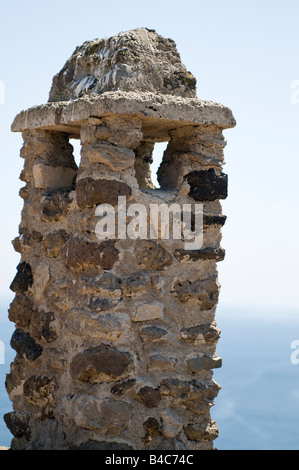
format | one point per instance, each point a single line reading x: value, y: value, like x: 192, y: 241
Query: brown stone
x: 149, y: 396
x: 200, y: 397
x: 29, y: 237
x: 116, y: 158
x: 174, y: 387
x: 49, y: 177
x: 203, y: 362
x: 148, y: 312
x: 195, y: 334
x: 150, y: 255
x: 42, y: 327
x: 15, y: 377
x: 107, y: 414
x: 23, y: 279
x: 214, y: 254
x: 54, y: 242
x: 79, y: 254
x: 20, y: 311
x: 18, y: 423
x: 206, y: 430
x: 121, y: 388
x: 206, y: 291
x: 55, y: 205
x: 40, y: 391
x: 125, y: 132
x: 152, y: 429
x: 157, y: 361
x: 152, y: 334
x: 100, y: 364
x: 91, y: 192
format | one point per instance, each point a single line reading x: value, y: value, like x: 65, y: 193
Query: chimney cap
x: 139, y: 60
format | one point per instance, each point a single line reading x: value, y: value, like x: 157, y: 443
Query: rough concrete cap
x: 138, y: 60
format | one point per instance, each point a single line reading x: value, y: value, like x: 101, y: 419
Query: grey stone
x: 152, y: 333
x: 134, y: 60
x: 204, y: 362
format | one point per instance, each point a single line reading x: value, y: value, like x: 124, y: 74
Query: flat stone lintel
x: 155, y: 111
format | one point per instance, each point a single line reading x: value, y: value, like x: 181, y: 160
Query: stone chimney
x: 116, y: 336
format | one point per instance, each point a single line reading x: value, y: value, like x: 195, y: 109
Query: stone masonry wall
x: 115, y: 339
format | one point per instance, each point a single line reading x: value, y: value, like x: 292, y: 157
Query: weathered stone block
x: 100, y: 364
x: 152, y: 334
x: 40, y: 391
x: 157, y: 361
x: 42, y: 327
x: 152, y: 428
x: 116, y: 158
x: 48, y: 177
x: 107, y: 416
x: 91, y: 192
x: 79, y: 254
x: 204, y: 362
x: 99, y: 304
x: 55, y: 205
x: 121, y: 388
x: 152, y: 64
x: 54, y: 242
x: 207, y: 430
x: 214, y: 254
x: 18, y: 423
x: 138, y: 283
x: 24, y: 345
x: 150, y: 255
x: 201, y: 333
x: 147, y: 312
x: 205, y: 291
x: 149, y: 396
x: 123, y: 131
x: 20, y: 311
x: 207, y: 185
x: 23, y: 279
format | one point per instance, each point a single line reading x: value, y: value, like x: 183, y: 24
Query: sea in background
x: 258, y: 405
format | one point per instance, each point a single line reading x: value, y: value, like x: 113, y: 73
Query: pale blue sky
x: 244, y: 55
